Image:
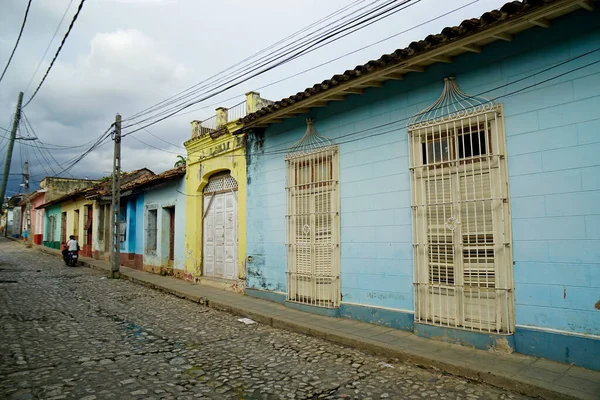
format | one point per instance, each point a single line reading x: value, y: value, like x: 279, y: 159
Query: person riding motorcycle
x: 72, y: 247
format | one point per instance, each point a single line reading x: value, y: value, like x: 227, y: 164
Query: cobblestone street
x: 72, y: 333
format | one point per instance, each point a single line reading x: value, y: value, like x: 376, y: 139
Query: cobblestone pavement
x: 70, y: 333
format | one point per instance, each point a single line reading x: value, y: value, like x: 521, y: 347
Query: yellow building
x: 215, y: 240
x: 77, y: 212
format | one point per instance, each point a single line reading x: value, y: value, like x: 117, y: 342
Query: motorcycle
x: 72, y: 258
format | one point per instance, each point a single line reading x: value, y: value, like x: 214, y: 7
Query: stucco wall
x: 52, y: 210
x: 169, y: 195
x: 553, y: 146
x: 75, y: 227
x: 207, y: 157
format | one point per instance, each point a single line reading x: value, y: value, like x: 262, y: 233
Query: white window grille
x: 313, y: 221
x: 463, y: 260
x: 151, y: 230
x: 220, y: 183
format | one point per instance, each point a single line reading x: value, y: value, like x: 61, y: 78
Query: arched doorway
x: 220, y: 227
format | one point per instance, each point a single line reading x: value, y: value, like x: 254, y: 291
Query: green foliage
x: 181, y: 161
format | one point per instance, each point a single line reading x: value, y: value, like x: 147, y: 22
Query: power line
x: 18, y: 39
x: 57, y: 52
x: 154, y: 147
x: 303, y: 49
x: 394, y: 122
x: 48, y: 47
x: 228, y: 87
x: 332, y: 35
x: 342, y: 56
x: 251, y: 56
x: 162, y: 140
x: 36, y: 146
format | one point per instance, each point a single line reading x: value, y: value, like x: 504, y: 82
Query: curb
x: 370, y: 346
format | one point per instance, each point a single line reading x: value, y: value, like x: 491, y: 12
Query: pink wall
x: 37, y: 215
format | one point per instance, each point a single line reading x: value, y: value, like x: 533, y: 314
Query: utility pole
x: 9, y: 151
x: 116, y: 203
x: 28, y: 207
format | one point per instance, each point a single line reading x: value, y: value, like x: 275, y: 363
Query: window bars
x: 461, y: 233
x: 313, y: 221
x: 220, y: 183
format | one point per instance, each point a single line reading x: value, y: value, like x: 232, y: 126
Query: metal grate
x: 221, y: 183
x: 313, y: 228
x: 461, y: 238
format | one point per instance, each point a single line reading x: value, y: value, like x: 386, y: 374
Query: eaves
x: 471, y: 36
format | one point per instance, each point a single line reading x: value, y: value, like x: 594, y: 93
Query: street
x: 70, y: 333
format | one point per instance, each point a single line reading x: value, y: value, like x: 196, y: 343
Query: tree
x: 181, y: 161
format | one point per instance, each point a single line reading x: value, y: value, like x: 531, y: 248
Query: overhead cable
x: 18, y: 39
x: 57, y: 52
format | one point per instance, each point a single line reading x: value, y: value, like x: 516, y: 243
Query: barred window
x: 463, y: 263
x: 313, y: 228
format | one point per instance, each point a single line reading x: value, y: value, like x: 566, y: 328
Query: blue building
x: 153, y: 223
x: 450, y: 188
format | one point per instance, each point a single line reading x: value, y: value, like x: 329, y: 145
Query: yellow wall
x: 207, y: 156
x: 69, y: 206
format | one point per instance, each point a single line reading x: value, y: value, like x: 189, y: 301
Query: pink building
x: 37, y: 198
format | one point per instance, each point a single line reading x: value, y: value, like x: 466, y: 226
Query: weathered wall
x: 207, y: 156
x: 553, y: 146
x: 74, y: 227
x: 161, y: 198
x: 56, y: 211
x: 37, y: 215
x: 58, y: 187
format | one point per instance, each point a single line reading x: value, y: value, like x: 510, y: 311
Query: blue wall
x: 139, y: 224
x: 129, y: 245
x: 168, y: 195
x: 553, y: 143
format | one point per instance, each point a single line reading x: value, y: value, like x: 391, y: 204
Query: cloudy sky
x: 123, y: 56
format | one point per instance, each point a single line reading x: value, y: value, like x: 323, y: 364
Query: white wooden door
x: 220, y: 235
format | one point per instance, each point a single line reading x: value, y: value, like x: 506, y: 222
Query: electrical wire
x: 284, y: 151
x: 304, y: 48
x: 308, y: 47
x: 154, y: 147
x: 18, y: 39
x: 48, y: 47
x: 35, y: 145
x: 57, y: 52
x: 339, y: 57
x: 253, y: 55
x: 216, y: 93
x: 162, y: 140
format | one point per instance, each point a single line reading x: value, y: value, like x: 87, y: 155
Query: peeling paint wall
x: 75, y: 227
x: 552, y: 153
x: 207, y: 156
x: 53, y: 210
x: 163, y: 199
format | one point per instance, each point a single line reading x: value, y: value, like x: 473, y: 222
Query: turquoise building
x: 450, y: 188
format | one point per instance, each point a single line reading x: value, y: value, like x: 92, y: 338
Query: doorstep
x: 521, y: 373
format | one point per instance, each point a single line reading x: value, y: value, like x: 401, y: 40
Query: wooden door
x: 89, y: 225
x: 63, y: 228
x: 171, y: 235
x: 76, y: 224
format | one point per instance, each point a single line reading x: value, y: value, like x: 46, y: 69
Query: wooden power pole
x: 116, y: 203
x: 9, y: 151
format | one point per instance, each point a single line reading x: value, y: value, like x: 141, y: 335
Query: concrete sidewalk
x: 528, y: 375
